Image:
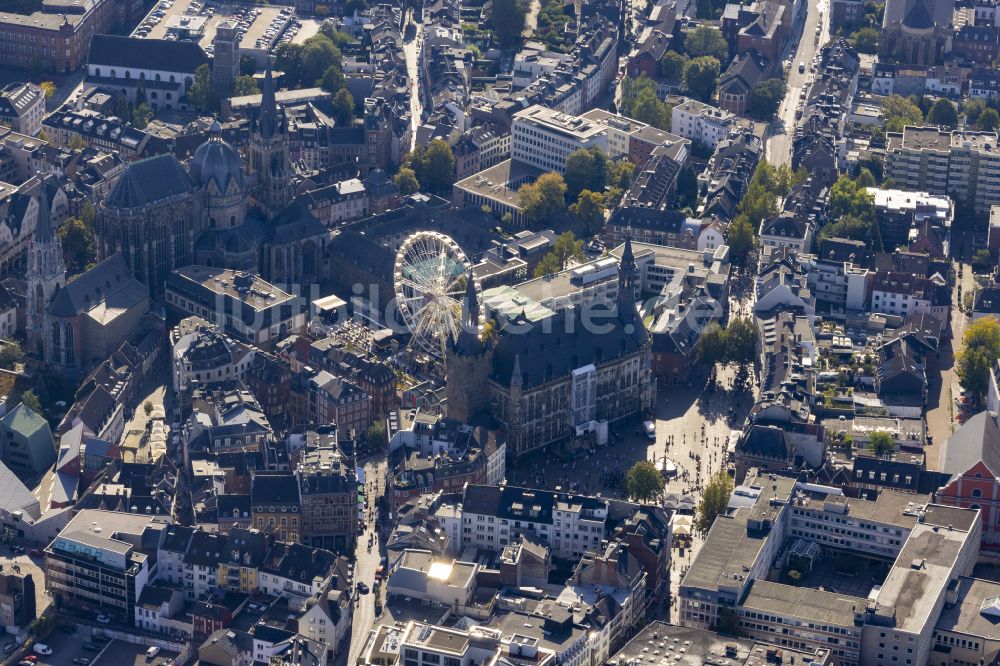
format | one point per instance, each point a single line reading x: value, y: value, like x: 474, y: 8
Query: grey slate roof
x: 108, y: 281
x: 156, y: 54
x: 149, y: 181
x: 977, y: 440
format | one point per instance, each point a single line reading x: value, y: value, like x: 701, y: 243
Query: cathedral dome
x: 217, y: 160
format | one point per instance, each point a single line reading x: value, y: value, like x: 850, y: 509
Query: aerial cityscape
x: 499, y: 332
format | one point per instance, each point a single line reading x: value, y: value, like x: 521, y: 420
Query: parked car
x: 32, y: 658
x: 42, y: 649
x: 362, y: 588
x: 100, y: 638
x: 34, y: 552
x: 152, y: 652
x: 81, y: 661
x: 9, y: 647
x: 91, y: 647
x: 103, y: 619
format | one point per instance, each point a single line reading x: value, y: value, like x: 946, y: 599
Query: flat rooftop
x: 977, y: 611
x: 810, y: 604
x: 891, y: 507
x: 576, y: 127
x: 246, y: 287
x: 501, y: 181
x: 921, y: 574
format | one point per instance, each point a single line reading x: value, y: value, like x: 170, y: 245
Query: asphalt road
x: 367, y: 561
x: 779, y: 144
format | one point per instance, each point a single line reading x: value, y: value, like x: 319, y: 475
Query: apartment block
x: 701, y: 123
x: 962, y: 165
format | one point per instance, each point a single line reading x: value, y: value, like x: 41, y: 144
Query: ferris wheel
x: 430, y: 280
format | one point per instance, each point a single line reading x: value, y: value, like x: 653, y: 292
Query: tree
x: 983, y: 261
x: 48, y: 88
x: 10, y: 353
x: 88, y: 214
x: 706, y: 41
x: 700, y: 77
x: 712, y: 349
x: 507, y: 18
x: 741, y: 236
x: 687, y: 188
x: 714, y: 500
x: 343, y: 108
x: 767, y: 97
x: 882, y: 443
x: 147, y: 408
x: 865, y: 40
x: 943, y: 113
x: 566, y: 248
x: 200, y: 93
x: 620, y: 174
x: 643, y: 481
x: 865, y: 178
x: 31, y: 401
x: 980, y: 350
x: 42, y: 136
x: 406, y: 181
x: 376, y: 434
x: 671, y: 66
x: 972, y: 107
x: 741, y: 341
x: 849, y: 197
x: 333, y: 79
x: 76, y: 142
x: 543, y: 199
x: 900, y: 112
x: 318, y: 55
x: 245, y: 85
x: 121, y: 106
x: 589, y: 210
x: 434, y: 165
x: 586, y: 169
x: 77, y: 239
x: 855, y: 228
x: 141, y: 115
x: 989, y: 120
x: 639, y: 101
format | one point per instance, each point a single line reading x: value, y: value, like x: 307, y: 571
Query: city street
x: 367, y: 560
x: 778, y: 149
x: 411, y: 49
x: 943, y: 389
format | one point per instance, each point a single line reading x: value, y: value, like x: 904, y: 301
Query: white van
x: 152, y: 652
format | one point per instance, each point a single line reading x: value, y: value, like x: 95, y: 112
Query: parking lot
x: 263, y: 27
x: 120, y: 653
x: 67, y: 647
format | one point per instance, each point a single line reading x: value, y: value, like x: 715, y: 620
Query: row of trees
x: 319, y: 62
x: 734, y: 345
x: 698, y: 75
x: 917, y: 110
x: 980, y: 350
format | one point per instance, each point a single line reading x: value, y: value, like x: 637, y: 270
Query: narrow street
x: 411, y: 49
x: 778, y: 148
x: 367, y: 560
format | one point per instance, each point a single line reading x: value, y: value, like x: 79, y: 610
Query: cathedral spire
x: 43, y: 229
x: 516, y: 376
x: 468, y: 341
x: 268, y: 105
x: 627, y: 282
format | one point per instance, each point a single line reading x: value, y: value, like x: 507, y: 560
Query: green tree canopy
x: 700, y: 77
x: 899, y: 112
x: 200, y: 93
x: 406, y: 181
x: 882, y: 443
x: 77, y: 239
x: 434, y: 165
x: 989, y: 120
x: 10, y: 353
x: 712, y: 347
x: 741, y: 341
x: 245, y: 85
x: 714, y: 499
x: 865, y: 40
x: 567, y: 248
x: 767, y: 98
x: 687, y: 188
x: 980, y: 350
x: 343, y: 108
x: 671, y: 66
x: 586, y: 169
x: 31, y: 401
x: 643, y: 481
x: 639, y: 101
x: 706, y: 41
x: 589, y: 210
x: 544, y: 199
x: 507, y: 18
x: 141, y: 115
x: 943, y: 113
x: 741, y: 236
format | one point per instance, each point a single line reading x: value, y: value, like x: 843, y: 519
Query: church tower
x: 46, y: 275
x: 269, y: 159
x: 468, y: 363
x: 225, y: 59
x: 628, y: 284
